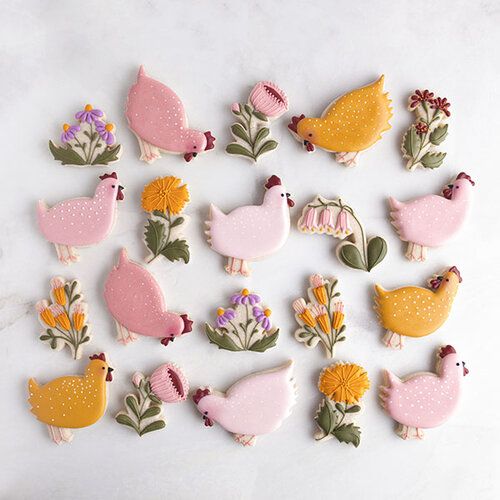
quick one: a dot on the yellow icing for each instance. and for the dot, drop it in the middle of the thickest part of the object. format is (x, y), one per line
(344, 383)
(65, 127)
(413, 311)
(88, 107)
(267, 312)
(73, 401)
(109, 127)
(352, 123)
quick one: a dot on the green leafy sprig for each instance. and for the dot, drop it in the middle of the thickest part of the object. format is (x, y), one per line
(334, 421)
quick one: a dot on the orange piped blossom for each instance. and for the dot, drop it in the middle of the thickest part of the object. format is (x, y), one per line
(164, 198)
(64, 317)
(343, 385)
(321, 319)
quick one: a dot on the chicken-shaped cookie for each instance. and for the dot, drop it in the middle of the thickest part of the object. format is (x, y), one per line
(251, 232)
(424, 400)
(156, 116)
(349, 125)
(255, 405)
(430, 221)
(81, 222)
(71, 402)
(412, 311)
(136, 302)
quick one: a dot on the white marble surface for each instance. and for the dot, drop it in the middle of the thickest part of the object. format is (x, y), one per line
(56, 56)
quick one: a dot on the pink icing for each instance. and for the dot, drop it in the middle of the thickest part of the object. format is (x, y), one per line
(135, 300)
(81, 221)
(255, 405)
(156, 115)
(424, 400)
(432, 220)
(252, 232)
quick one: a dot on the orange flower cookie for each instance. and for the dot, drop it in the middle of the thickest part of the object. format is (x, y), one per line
(71, 402)
(343, 385)
(349, 125)
(412, 311)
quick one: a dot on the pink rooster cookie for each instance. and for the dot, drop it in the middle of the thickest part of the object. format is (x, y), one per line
(136, 302)
(424, 400)
(251, 232)
(81, 222)
(430, 221)
(156, 116)
(255, 405)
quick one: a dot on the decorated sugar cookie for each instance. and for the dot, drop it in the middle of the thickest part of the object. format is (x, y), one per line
(337, 219)
(343, 385)
(64, 317)
(349, 125)
(71, 402)
(165, 199)
(90, 141)
(321, 318)
(412, 311)
(156, 116)
(430, 221)
(252, 135)
(143, 409)
(251, 232)
(244, 326)
(421, 140)
(81, 222)
(136, 302)
(255, 405)
(424, 400)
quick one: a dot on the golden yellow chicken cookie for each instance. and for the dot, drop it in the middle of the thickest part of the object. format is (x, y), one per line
(350, 124)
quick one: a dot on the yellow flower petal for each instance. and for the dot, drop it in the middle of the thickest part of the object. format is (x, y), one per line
(166, 195)
(344, 383)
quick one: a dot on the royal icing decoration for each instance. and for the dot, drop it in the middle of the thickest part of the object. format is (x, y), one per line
(143, 409)
(156, 116)
(244, 326)
(343, 385)
(71, 402)
(64, 317)
(81, 222)
(412, 311)
(251, 132)
(255, 405)
(349, 125)
(430, 221)
(337, 219)
(91, 141)
(252, 232)
(165, 199)
(424, 400)
(136, 302)
(429, 130)
(321, 318)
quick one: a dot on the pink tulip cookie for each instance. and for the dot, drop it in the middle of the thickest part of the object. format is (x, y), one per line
(337, 219)
(424, 400)
(255, 405)
(156, 116)
(136, 302)
(430, 221)
(143, 409)
(252, 232)
(251, 132)
(81, 222)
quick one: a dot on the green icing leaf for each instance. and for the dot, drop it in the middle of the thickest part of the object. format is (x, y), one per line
(153, 426)
(264, 343)
(325, 417)
(350, 256)
(432, 160)
(348, 433)
(377, 250)
(238, 149)
(261, 134)
(239, 131)
(353, 409)
(266, 147)
(177, 222)
(176, 250)
(152, 411)
(109, 155)
(340, 408)
(159, 213)
(248, 108)
(45, 337)
(154, 235)
(438, 135)
(260, 116)
(53, 343)
(154, 399)
(221, 340)
(124, 419)
(131, 402)
(66, 155)
(412, 142)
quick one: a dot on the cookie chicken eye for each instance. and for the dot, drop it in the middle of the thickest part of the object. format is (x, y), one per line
(310, 135)
(194, 147)
(458, 364)
(282, 195)
(113, 186)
